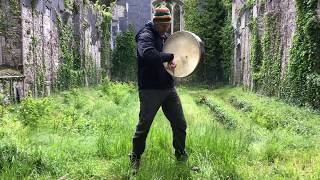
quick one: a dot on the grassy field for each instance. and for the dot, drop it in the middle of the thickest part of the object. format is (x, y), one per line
(86, 134)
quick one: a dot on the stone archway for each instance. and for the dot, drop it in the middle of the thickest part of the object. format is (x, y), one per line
(177, 10)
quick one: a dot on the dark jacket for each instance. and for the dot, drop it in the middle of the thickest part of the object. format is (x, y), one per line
(151, 72)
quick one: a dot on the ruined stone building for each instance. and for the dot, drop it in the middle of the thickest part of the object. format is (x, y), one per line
(284, 14)
(30, 43)
(137, 13)
(32, 47)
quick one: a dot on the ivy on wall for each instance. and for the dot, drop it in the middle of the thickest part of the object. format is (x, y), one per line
(14, 7)
(74, 69)
(69, 4)
(78, 69)
(2, 23)
(9, 29)
(106, 52)
(302, 80)
(270, 71)
(9, 19)
(39, 84)
(256, 55)
(69, 73)
(40, 81)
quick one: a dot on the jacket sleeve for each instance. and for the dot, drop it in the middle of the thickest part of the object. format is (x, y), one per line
(148, 52)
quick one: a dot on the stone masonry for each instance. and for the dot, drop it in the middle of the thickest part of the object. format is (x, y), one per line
(29, 43)
(240, 22)
(137, 13)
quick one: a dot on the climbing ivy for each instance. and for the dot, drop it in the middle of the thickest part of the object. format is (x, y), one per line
(69, 73)
(108, 3)
(271, 60)
(228, 5)
(2, 23)
(106, 35)
(77, 67)
(301, 85)
(34, 42)
(251, 3)
(104, 9)
(301, 82)
(69, 4)
(14, 7)
(90, 70)
(265, 55)
(256, 54)
(39, 86)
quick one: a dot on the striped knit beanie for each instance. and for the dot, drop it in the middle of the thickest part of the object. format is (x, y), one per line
(162, 15)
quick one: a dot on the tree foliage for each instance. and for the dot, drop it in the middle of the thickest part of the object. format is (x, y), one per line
(208, 20)
(124, 65)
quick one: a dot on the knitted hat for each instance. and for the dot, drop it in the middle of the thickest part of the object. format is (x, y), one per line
(162, 15)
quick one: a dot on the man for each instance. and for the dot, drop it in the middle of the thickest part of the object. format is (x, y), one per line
(156, 87)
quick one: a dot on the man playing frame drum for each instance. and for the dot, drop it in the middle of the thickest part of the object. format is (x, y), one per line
(156, 84)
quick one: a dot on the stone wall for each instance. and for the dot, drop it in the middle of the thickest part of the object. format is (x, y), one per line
(11, 62)
(138, 13)
(277, 48)
(242, 17)
(30, 42)
(133, 12)
(10, 34)
(129, 12)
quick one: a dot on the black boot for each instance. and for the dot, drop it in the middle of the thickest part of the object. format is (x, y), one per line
(181, 156)
(134, 162)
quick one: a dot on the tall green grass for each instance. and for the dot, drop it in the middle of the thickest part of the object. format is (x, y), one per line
(87, 133)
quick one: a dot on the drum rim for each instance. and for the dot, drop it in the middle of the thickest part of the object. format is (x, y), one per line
(200, 46)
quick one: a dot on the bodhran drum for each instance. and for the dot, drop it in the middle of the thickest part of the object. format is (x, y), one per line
(188, 51)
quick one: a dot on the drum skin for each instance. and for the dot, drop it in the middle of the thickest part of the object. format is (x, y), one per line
(188, 51)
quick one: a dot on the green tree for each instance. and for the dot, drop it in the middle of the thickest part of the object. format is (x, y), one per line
(207, 21)
(124, 67)
(227, 43)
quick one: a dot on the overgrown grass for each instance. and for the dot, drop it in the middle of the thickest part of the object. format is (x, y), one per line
(86, 134)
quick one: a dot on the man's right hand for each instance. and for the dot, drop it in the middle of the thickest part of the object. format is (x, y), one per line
(166, 57)
(172, 65)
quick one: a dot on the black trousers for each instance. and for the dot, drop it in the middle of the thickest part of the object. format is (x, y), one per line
(150, 102)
